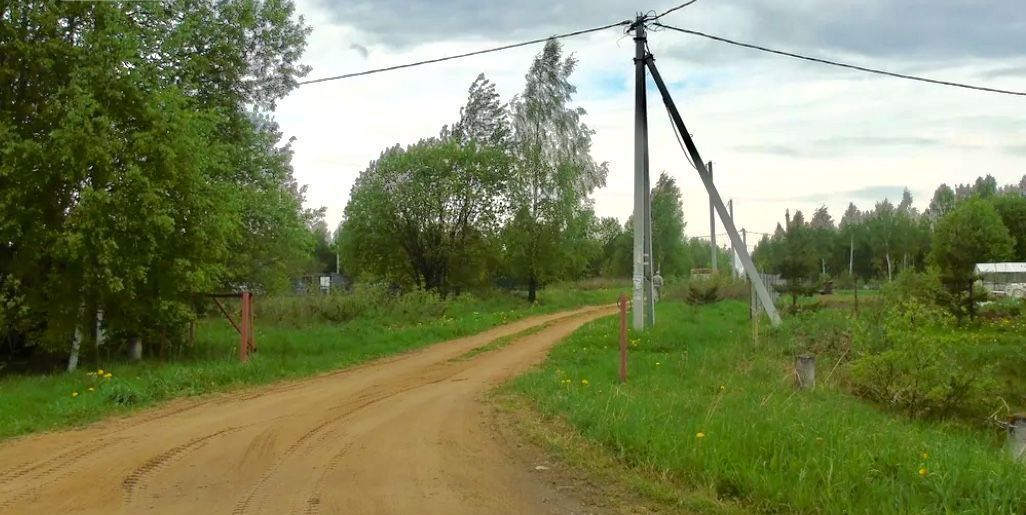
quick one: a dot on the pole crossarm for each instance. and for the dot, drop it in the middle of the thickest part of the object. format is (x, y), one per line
(714, 196)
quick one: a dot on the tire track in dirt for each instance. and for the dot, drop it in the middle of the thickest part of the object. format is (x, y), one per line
(311, 437)
(137, 481)
(52, 470)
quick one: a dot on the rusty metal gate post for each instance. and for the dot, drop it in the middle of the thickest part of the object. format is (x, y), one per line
(623, 302)
(245, 328)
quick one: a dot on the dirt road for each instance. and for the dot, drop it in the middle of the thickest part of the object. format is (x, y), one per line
(407, 434)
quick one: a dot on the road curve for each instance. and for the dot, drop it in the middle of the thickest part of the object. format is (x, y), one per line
(406, 434)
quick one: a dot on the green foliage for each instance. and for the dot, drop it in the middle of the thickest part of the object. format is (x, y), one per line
(553, 171)
(1012, 209)
(972, 233)
(918, 371)
(426, 215)
(671, 259)
(762, 445)
(160, 182)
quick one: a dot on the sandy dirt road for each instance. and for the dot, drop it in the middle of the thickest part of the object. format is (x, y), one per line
(408, 434)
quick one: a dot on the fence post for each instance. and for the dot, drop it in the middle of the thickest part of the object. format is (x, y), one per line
(252, 325)
(805, 371)
(244, 328)
(622, 302)
(1017, 437)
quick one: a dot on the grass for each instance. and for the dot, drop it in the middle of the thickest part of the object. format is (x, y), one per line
(707, 409)
(288, 348)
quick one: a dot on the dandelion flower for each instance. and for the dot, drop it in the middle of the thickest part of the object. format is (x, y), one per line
(99, 372)
(922, 472)
(700, 435)
(74, 394)
(925, 456)
(108, 375)
(91, 388)
(722, 387)
(584, 381)
(658, 363)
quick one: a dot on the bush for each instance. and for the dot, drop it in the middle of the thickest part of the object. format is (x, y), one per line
(1002, 309)
(707, 290)
(909, 362)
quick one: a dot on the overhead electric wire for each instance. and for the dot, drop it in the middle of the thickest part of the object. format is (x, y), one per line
(468, 54)
(670, 10)
(842, 65)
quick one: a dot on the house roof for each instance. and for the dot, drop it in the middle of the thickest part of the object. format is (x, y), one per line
(1013, 268)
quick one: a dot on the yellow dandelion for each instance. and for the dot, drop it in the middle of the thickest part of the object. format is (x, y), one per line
(658, 363)
(584, 381)
(91, 388)
(926, 456)
(700, 435)
(722, 387)
(108, 375)
(74, 394)
(99, 372)
(922, 472)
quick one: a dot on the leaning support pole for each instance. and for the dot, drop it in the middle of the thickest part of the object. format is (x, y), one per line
(641, 256)
(735, 239)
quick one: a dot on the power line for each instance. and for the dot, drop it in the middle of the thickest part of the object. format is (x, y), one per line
(843, 65)
(468, 54)
(670, 10)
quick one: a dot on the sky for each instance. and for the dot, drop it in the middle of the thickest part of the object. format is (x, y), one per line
(783, 134)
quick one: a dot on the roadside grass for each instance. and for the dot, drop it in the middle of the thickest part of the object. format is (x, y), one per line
(707, 409)
(286, 349)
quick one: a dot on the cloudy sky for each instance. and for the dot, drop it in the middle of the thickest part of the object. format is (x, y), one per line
(782, 133)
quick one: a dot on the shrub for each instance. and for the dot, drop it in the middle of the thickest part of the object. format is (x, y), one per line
(124, 395)
(1002, 309)
(707, 290)
(905, 365)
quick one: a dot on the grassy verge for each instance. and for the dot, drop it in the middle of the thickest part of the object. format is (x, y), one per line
(287, 349)
(708, 410)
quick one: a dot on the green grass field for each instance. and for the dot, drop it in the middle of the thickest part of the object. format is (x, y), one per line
(289, 347)
(708, 410)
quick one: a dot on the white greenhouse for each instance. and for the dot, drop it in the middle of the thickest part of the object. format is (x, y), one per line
(1005, 279)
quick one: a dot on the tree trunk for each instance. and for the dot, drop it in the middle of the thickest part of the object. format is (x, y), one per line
(76, 343)
(888, 256)
(532, 289)
(135, 348)
(851, 256)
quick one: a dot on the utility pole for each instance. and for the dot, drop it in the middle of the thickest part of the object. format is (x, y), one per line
(712, 225)
(730, 206)
(642, 234)
(706, 175)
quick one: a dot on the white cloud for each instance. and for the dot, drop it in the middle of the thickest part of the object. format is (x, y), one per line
(782, 133)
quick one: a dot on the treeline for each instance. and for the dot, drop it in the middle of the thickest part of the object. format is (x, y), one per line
(139, 167)
(962, 226)
(501, 198)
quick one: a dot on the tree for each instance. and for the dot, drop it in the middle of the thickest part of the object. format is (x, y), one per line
(670, 257)
(972, 233)
(823, 236)
(882, 227)
(484, 119)
(105, 106)
(1012, 209)
(419, 214)
(553, 171)
(942, 203)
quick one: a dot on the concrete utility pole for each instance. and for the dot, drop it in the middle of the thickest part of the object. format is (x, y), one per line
(714, 196)
(712, 225)
(730, 206)
(642, 233)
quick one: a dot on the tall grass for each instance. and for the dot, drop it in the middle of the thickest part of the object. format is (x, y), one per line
(296, 336)
(706, 407)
